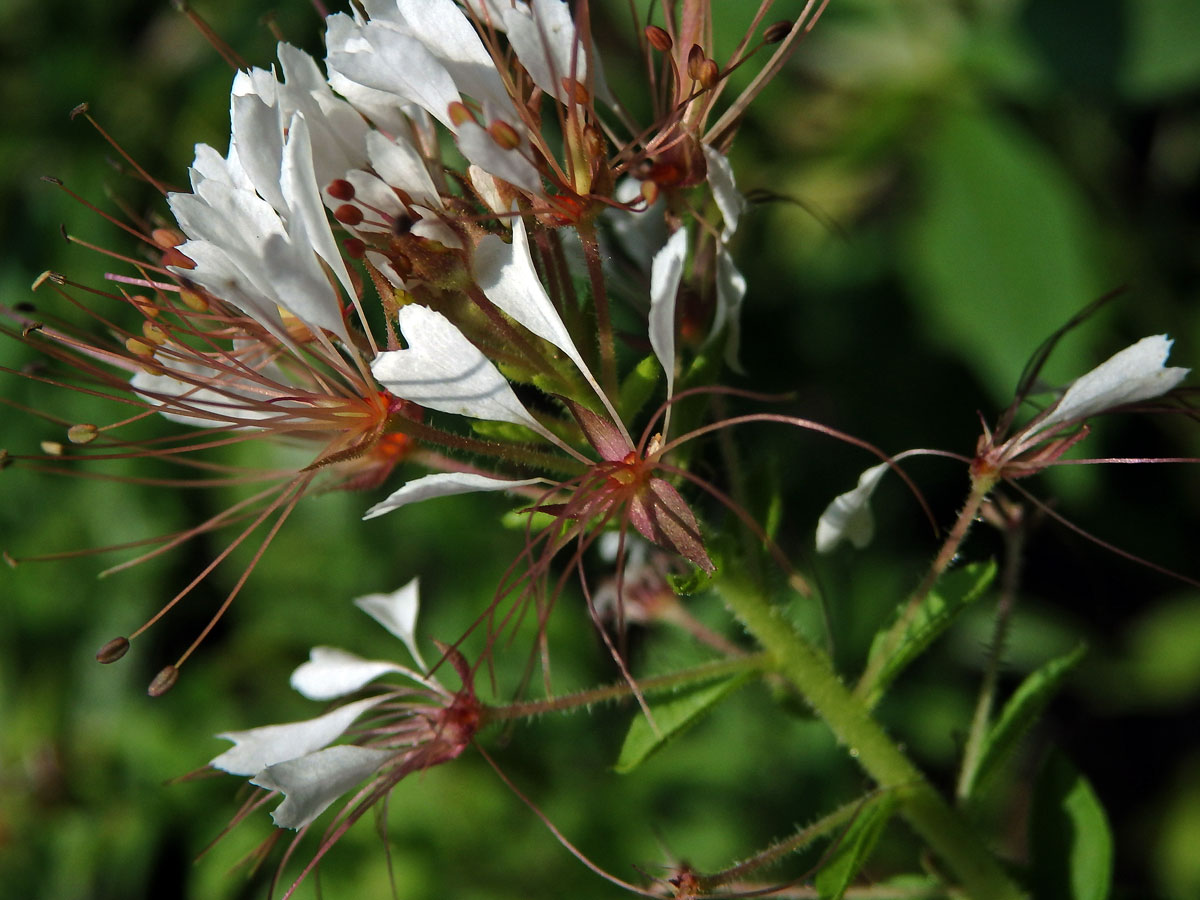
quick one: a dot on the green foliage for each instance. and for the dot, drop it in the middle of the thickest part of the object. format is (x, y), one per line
(894, 648)
(1071, 845)
(854, 847)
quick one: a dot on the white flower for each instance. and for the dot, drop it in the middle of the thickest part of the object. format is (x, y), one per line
(849, 517)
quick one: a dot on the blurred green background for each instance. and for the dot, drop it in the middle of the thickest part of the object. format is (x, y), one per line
(952, 181)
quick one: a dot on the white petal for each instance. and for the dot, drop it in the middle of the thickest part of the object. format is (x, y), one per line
(331, 673)
(488, 190)
(507, 165)
(258, 748)
(400, 165)
(443, 28)
(1136, 373)
(665, 274)
(731, 289)
(849, 517)
(443, 484)
(397, 612)
(544, 38)
(310, 783)
(442, 370)
(507, 277)
(724, 189)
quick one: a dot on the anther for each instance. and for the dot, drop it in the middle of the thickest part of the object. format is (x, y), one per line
(649, 192)
(31, 328)
(5, 460)
(82, 433)
(348, 214)
(50, 179)
(504, 135)
(173, 257)
(709, 75)
(193, 301)
(695, 60)
(145, 306)
(138, 347)
(113, 650)
(166, 238)
(79, 110)
(354, 248)
(575, 89)
(773, 34)
(460, 113)
(658, 38)
(155, 334)
(163, 681)
(340, 189)
(52, 448)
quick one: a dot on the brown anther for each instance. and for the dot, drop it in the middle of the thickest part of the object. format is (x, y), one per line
(79, 110)
(166, 238)
(138, 347)
(173, 257)
(50, 179)
(354, 248)
(31, 328)
(82, 433)
(348, 214)
(460, 113)
(504, 135)
(52, 448)
(709, 75)
(113, 650)
(658, 38)
(576, 90)
(775, 33)
(40, 280)
(155, 334)
(340, 189)
(62, 232)
(145, 306)
(694, 61)
(649, 192)
(163, 681)
(193, 301)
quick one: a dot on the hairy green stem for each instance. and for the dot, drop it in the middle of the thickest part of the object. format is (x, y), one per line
(945, 831)
(623, 689)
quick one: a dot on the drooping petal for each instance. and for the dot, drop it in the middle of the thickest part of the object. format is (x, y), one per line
(311, 783)
(331, 673)
(665, 274)
(730, 201)
(397, 612)
(731, 290)
(849, 517)
(1136, 373)
(543, 35)
(507, 164)
(258, 748)
(442, 370)
(443, 484)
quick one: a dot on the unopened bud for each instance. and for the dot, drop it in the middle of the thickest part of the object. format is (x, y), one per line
(658, 38)
(460, 113)
(163, 681)
(773, 34)
(504, 135)
(709, 75)
(694, 61)
(52, 448)
(348, 214)
(82, 433)
(340, 189)
(113, 650)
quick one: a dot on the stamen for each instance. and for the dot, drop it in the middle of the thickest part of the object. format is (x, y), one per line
(113, 650)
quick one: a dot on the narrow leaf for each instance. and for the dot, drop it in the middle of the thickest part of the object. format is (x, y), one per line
(953, 593)
(1020, 712)
(854, 848)
(672, 716)
(1071, 846)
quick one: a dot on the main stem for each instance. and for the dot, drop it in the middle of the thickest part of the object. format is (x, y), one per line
(946, 832)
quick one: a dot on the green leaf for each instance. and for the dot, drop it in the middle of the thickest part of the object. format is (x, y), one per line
(1071, 847)
(952, 594)
(1020, 712)
(638, 386)
(672, 716)
(854, 848)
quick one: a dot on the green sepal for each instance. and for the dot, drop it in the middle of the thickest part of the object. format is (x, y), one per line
(673, 716)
